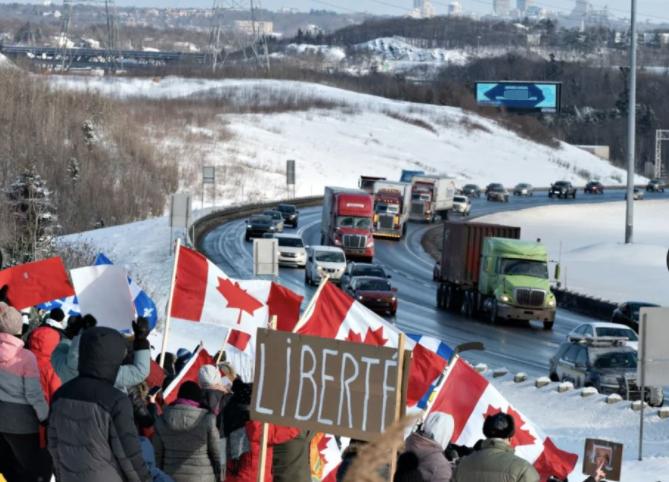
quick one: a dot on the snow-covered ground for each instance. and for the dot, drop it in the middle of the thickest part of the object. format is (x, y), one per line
(568, 419)
(594, 258)
(361, 134)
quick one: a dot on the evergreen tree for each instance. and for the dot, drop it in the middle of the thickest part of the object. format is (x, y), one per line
(33, 222)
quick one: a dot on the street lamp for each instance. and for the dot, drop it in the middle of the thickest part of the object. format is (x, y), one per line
(631, 128)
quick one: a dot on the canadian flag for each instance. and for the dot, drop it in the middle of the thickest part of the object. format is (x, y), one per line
(334, 314)
(469, 398)
(189, 372)
(202, 292)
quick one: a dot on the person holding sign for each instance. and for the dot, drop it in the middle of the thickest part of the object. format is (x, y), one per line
(429, 444)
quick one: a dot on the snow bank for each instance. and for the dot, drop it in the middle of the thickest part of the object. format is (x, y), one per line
(364, 135)
(594, 258)
(400, 49)
(568, 419)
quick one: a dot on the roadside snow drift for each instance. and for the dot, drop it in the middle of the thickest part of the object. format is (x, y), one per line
(595, 260)
(361, 134)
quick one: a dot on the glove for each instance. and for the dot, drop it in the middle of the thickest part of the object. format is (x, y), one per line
(141, 330)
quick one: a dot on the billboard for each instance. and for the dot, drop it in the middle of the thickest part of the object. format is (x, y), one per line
(526, 96)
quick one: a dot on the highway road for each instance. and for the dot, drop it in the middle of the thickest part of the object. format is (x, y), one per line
(517, 347)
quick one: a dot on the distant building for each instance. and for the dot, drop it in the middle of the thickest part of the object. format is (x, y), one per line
(523, 5)
(254, 28)
(502, 8)
(582, 8)
(454, 8)
(422, 9)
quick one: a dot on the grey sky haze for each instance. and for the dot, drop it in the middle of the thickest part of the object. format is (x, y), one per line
(656, 10)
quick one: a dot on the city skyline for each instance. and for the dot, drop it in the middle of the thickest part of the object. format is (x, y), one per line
(652, 10)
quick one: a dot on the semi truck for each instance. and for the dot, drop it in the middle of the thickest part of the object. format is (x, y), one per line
(391, 208)
(366, 183)
(487, 270)
(346, 222)
(431, 198)
(407, 175)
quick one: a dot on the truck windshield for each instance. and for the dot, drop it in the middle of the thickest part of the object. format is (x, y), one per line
(354, 222)
(524, 267)
(330, 257)
(420, 196)
(387, 208)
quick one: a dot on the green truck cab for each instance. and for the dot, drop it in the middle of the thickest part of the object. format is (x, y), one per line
(487, 270)
(514, 278)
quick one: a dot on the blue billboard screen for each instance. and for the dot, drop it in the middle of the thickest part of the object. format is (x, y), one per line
(530, 96)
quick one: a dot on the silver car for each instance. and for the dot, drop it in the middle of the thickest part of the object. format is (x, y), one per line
(291, 250)
(277, 219)
(462, 205)
(324, 260)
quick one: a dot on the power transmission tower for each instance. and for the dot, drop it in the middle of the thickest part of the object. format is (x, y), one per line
(111, 26)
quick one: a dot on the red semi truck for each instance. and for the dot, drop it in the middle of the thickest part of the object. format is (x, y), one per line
(347, 222)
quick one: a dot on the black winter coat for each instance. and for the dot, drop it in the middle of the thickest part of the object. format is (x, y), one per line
(92, 437)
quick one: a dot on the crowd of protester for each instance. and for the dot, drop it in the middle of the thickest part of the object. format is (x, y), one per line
(77, 403)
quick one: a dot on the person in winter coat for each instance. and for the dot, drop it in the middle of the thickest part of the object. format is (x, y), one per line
(215, 395)
(348, 457)
(243, 458)
(407, 469)
(291, 462)
(55, 320)
(495, 460)
(149, 455)
(92, 437)
(66, 355)
(22, 405)
(42, 342)
(429, 443)
(186, 439)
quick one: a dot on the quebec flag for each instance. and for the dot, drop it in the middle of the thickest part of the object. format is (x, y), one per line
(144, 306)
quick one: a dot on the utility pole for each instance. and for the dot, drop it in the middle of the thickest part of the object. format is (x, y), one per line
(631, 131)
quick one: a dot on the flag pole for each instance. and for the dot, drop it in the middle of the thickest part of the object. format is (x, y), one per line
(438, 388)
(169, 305)
(303, 319)
(264, 436)
(398, 398)
(225, 342)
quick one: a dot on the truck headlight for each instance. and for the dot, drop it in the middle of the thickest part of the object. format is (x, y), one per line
(370, 242)
(505, 298)
(337, 242)
(551, 303)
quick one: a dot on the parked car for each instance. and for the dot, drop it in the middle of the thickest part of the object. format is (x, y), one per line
(562, 189)
(354, 270)
(375, 293)
(602, 330)
(498, 193)
(291, 250)
(471, 190)
(258, 225)
(291, 216)
(607, 365)
(277, 219)
(523, 189)
(594, 187)
(655, 185)
(324, 260)
(462, 205)
(637, 194)
(627, 313)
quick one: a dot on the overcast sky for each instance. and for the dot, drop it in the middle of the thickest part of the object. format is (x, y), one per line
(651, 9)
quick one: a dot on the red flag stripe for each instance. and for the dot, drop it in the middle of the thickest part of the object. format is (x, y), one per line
(190, 285)
(330, 311)
(554, 461)
(188, 373)
(38, 282)
(239, 339)
(424, 369)
(285, 305)
(460, 394)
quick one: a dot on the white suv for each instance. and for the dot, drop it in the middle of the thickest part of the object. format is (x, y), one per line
(291, 250)
(324, 260)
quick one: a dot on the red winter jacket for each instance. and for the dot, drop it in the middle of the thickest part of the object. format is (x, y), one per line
(43, 342)
(247, 466)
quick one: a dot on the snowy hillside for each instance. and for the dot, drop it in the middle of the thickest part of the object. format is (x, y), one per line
(594, 259)
(358, 134)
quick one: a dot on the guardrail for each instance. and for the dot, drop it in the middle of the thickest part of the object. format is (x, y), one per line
(584, 305)
(201, 227)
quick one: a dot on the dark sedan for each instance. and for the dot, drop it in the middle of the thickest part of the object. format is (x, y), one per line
(291, 216)
(354, 270)
(627, 313)
(655, 185)
(375, 293)
(562, 189)
(471, 190)
(259, 225)
(594, 187)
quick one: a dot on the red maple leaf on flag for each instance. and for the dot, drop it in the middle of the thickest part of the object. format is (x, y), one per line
(372, 337)
(520, 437)
(238, 298)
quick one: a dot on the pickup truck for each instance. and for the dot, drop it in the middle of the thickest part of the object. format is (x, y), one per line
(562, 189)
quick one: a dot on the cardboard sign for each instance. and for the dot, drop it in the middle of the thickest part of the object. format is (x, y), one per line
(325, 385)
(103, 292)
(607, 454)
